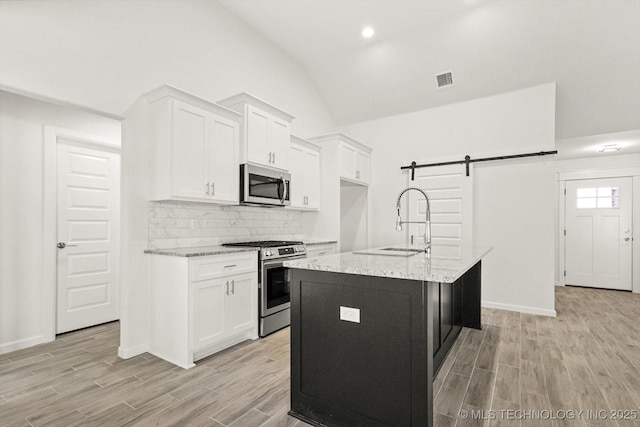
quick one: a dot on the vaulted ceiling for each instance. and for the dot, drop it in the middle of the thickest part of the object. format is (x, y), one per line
(590, 48)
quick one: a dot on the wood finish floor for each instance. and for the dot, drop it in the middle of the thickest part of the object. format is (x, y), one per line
(586, 358)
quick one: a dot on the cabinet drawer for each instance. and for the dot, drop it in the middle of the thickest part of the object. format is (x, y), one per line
(223, 265)
(320, 250)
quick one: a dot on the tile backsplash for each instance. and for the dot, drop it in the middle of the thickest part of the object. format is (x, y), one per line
(182, 224)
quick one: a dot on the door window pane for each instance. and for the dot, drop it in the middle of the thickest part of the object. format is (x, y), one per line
(586, 192)
(586, 203)
(604, 191)
(601, 197)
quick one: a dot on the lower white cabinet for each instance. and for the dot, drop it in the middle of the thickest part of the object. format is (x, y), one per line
(201, 305)
(320, 250)
(223, 307)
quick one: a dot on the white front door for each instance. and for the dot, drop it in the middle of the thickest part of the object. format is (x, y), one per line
(88, 198)
(598, 233)
(450, 194)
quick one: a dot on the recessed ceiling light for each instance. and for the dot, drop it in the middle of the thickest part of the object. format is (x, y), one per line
(367, 32)
(608, 148)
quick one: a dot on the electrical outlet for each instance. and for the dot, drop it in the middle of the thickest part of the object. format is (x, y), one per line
(350, 314)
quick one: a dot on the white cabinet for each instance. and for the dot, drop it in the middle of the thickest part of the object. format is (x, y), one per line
(201, 305)
(362, 165)
(266, 131)
(196, 145)
(223, 307)
(209, 314)
(353, 157)
(354, 162)
(304, 167)
(320, 250)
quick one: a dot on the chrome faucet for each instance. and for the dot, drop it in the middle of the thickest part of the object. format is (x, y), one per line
(427, 219)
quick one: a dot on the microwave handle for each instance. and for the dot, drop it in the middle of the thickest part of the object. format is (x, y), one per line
(286, 190)
(281, 182)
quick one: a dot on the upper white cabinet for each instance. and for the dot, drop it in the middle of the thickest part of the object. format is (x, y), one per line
(196, 147)
(353, 156)
(304, 159)
(265, 133)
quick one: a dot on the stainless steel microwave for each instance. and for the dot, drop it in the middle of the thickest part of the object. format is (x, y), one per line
(262, 186)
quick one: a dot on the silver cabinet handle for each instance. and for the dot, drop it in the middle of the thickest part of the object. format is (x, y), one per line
(270, 157)
(358, 174)
(233, 287)
(227, 284)
(322, 253)
(207, 188)
(213, 188)
(230, 266)
(274, 157)
(62, 245)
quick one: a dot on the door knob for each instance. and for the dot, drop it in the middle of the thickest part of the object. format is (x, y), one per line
(626, 239)
(62, 245)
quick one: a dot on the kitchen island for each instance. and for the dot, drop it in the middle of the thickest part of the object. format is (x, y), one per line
(370, 330)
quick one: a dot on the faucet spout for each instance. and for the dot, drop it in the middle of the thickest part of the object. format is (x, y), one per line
(427, 219)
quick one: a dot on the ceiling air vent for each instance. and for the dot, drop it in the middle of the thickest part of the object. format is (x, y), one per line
(444, 79)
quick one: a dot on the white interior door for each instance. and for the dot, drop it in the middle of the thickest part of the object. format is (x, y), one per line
(88, 197)
(598, 241)
(450, 194)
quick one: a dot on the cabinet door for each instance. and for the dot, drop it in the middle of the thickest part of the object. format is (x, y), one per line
(209, 316)
(362, 166)
(242, 302)
(279, 143)
(347, 161)
(311, 166)
(297, 170)
(224, 163)
(258, 125)
(189, 151)
(320, 250)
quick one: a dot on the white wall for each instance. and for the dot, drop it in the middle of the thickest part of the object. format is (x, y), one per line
(22, 283)
(353, 216)
(105, 54)
(513, 200)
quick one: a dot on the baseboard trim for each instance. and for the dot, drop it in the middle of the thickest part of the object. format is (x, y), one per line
(128, 353)
(519, 308)
(24, 343)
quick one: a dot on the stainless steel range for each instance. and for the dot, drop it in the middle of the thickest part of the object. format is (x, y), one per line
(274, 291)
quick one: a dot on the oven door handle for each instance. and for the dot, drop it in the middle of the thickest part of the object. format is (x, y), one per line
(278, 262)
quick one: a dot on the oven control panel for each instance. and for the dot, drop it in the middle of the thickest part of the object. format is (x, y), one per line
(283, 252)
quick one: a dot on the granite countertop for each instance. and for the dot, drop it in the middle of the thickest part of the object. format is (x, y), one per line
(198, 251)
(446, 263)
(313, 242)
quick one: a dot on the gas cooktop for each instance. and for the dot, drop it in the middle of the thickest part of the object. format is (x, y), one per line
(264, 244)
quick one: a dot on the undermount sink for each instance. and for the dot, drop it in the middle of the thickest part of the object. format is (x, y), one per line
(405, 252)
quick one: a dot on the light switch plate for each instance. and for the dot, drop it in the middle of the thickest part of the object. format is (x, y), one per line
(350, 314)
